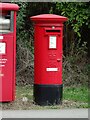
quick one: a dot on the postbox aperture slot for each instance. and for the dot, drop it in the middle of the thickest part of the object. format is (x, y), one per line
(55, 31)
(51, 31)
(6, 22)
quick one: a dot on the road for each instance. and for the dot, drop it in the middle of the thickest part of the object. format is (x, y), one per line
(62, 113)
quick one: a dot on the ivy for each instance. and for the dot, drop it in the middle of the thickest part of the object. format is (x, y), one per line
(21, 15)
(78, 14)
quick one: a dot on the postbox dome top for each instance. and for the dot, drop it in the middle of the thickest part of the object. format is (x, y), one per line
(9, 6)
(48, 18)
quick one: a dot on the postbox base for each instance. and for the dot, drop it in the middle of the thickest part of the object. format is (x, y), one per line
(48, 94)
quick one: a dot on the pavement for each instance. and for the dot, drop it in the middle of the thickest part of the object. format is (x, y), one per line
(61, 113)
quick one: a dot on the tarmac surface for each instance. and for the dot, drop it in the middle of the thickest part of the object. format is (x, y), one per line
(58, 113)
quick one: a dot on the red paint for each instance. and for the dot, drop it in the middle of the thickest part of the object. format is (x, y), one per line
(8, 6)
(45, 26)
(7, 91)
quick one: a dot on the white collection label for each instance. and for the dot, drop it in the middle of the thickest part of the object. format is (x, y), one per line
(2, 48)
(52, 42)
(51, 69)
(1, 37)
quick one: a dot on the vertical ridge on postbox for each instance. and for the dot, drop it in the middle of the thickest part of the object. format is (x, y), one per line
(7, 51)
(48, 58)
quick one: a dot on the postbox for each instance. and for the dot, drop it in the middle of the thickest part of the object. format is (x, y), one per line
(48, 35)
(7, 51)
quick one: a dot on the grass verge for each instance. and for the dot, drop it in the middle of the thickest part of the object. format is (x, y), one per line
(73, 97)
(78, 94)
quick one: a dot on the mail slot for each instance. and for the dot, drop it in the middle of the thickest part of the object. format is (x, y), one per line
(50, 31)
(7, 51)
(48, 37)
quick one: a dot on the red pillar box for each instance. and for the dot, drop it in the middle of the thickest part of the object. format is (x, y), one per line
(7, 51)
(48, 37)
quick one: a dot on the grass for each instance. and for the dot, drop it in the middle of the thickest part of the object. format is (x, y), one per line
(76, 93)
(79, 94)
(25, 91)
(73, 97)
